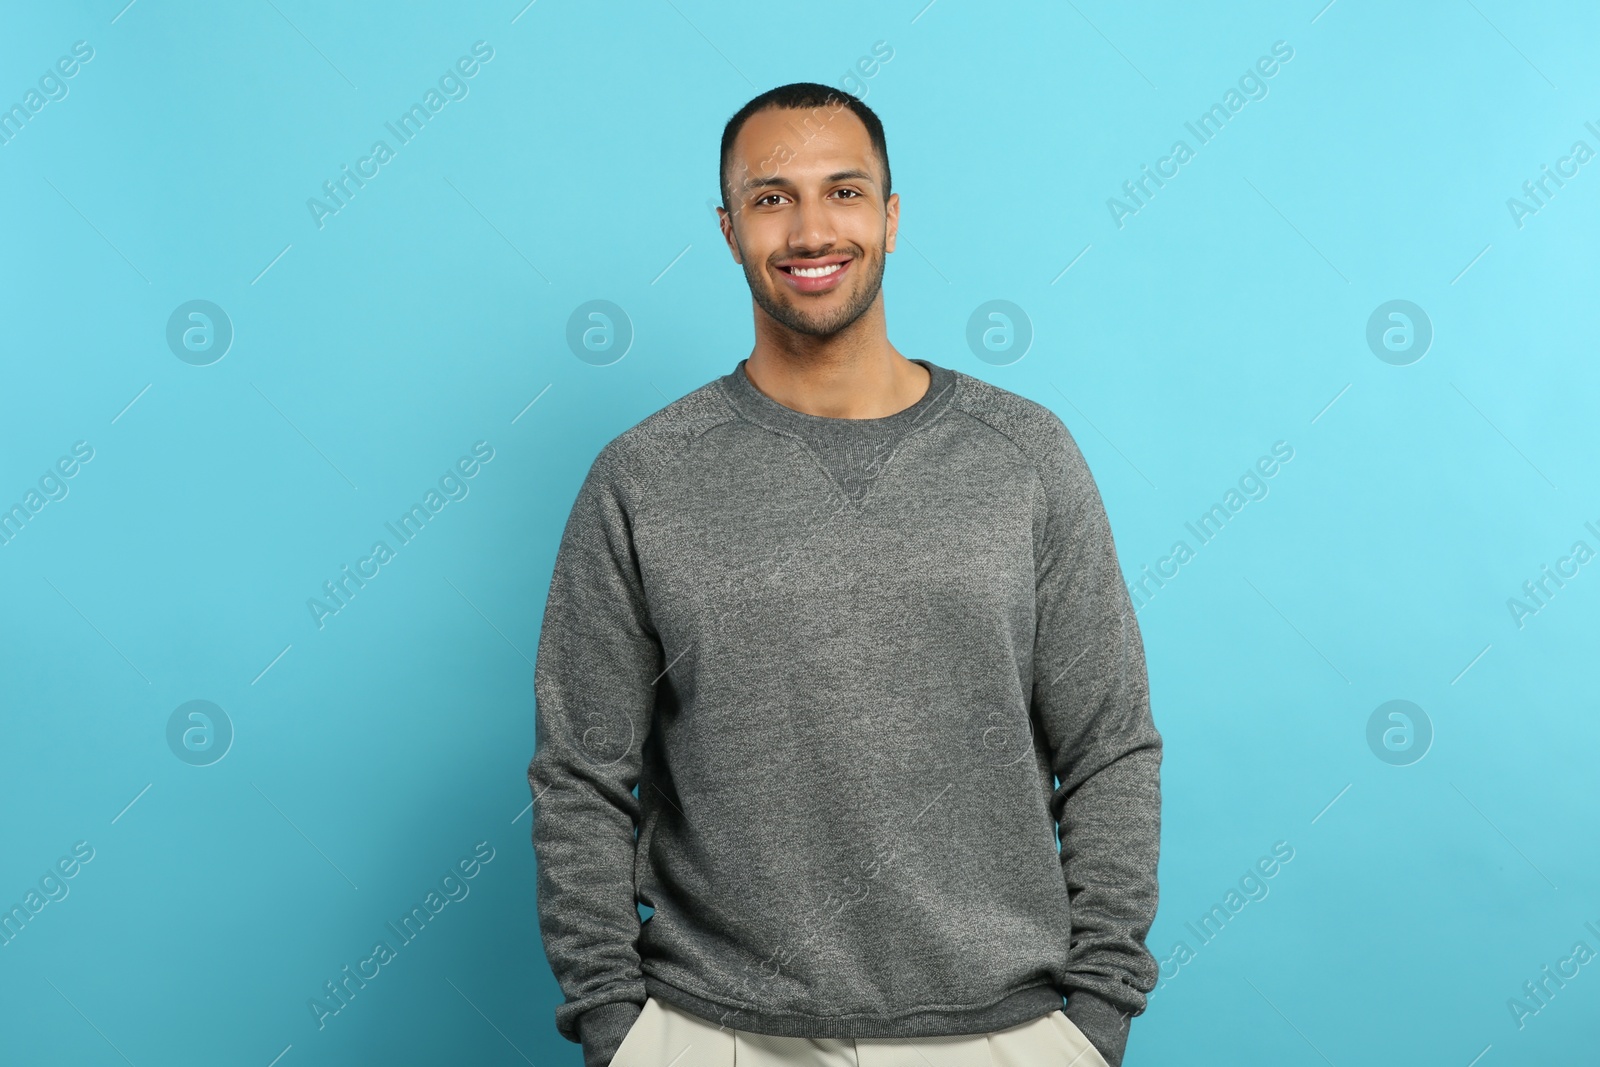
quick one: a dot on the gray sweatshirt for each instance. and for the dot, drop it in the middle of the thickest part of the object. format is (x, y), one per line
(861, 672)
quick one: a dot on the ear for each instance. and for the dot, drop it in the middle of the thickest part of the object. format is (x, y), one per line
(725, 221)
(891, 221)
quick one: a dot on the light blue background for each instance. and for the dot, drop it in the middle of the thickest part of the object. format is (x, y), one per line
(370, 354)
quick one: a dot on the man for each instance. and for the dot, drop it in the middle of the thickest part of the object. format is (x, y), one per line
(843, 618)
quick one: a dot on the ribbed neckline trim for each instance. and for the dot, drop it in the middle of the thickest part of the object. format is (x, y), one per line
(761, 408)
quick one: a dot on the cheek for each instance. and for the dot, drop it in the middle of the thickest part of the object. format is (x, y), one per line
(761, 247)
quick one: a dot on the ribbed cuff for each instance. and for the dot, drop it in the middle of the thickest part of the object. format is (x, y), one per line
(1101, 1022)
(603, 1029)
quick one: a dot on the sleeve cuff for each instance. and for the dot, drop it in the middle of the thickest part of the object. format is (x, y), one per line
(1101, 1022)
(602, 1030)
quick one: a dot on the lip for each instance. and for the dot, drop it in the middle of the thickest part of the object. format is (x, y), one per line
(815, 285)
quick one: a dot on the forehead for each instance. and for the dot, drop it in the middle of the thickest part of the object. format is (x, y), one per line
(798, 142)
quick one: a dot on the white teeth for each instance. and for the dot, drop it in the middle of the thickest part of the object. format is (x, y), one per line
(815, 272)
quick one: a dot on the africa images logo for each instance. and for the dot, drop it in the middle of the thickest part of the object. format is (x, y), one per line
(453, 888)
(452, 86)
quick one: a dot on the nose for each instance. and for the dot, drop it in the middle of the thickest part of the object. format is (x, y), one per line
(813, 227)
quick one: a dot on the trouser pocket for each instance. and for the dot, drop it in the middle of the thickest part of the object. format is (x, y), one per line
(1080, 1050)
(628, 1052)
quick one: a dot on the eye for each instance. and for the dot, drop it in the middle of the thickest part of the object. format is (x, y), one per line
(769, 196)
(852, 192)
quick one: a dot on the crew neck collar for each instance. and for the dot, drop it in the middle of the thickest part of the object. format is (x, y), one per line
(761, 408)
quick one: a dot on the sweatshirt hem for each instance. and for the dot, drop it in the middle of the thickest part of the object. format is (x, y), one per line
(1021, 1006)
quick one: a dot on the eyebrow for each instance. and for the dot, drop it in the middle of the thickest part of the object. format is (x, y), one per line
(752, 184)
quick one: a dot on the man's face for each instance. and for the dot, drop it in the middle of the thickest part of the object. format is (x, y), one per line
(806, 192)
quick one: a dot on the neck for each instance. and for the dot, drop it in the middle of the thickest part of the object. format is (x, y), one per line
(853, 374)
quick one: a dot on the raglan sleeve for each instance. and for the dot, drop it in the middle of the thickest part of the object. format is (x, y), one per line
(594, 684)
(1091, 697)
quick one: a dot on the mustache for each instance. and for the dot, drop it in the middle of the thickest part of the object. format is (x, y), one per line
(853, 253)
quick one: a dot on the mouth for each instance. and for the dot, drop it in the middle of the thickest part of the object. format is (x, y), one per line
(815, 275)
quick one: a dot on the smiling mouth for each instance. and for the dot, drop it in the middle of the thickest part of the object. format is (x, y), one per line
(815, 272)
(816, 278)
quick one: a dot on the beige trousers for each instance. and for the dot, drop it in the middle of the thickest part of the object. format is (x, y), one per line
(667, 1036)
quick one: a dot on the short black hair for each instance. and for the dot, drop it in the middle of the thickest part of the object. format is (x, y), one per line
(803, 95)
